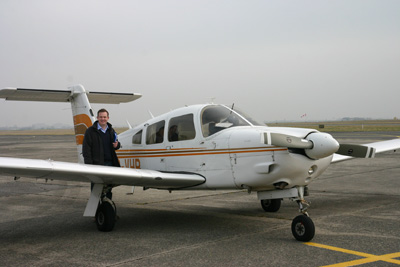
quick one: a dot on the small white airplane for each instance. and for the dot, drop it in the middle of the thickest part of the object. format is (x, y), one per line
(203, 147)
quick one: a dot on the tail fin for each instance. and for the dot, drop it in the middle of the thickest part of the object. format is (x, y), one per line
(78, 97)
(82, 114)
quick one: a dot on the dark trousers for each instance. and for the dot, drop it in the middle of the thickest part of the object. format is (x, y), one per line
(109, 193)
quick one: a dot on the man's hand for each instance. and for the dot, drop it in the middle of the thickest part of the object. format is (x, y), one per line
(115, 144)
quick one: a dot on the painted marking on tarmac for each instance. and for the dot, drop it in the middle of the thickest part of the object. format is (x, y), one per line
(368, 258)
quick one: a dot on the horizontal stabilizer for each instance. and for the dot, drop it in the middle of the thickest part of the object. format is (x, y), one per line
(23, 94)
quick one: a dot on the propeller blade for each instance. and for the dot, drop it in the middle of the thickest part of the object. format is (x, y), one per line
(356, 151)
(283, 140)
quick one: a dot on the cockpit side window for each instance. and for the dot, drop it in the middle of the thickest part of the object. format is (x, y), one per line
(216, 118)
(181, 128)
(137, 138)
(155, 133)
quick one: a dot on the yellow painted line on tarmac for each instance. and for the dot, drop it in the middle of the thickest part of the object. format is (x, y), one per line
(368, 258)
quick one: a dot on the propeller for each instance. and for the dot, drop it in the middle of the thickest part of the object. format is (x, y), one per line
(318, 145)
(357, 151)
(284, 140)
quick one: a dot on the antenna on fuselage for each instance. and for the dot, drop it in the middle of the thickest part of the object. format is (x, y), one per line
(233, 104)
(129, 125)
(151, 114)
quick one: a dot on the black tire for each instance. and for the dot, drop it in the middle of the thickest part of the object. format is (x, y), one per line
(303, 228)
(271, 205)
(105, 217)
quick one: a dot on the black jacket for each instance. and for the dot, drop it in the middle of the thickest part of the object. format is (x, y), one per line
(92, 147)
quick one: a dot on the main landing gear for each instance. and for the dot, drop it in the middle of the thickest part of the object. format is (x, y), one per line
(106, 215)
(271, 205)
(303, 228)
(101, 207)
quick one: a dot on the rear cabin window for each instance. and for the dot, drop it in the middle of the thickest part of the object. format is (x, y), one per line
(155, 133)
(137, 138)
(181, 128)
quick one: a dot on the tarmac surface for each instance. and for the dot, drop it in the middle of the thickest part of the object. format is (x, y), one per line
(355, 208)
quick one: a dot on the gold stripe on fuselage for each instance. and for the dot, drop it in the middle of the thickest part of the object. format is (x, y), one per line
(147, 153)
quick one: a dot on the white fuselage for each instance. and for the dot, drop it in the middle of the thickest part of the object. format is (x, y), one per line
(235, 156)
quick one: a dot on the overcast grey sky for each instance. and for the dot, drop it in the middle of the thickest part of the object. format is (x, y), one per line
(274, 59)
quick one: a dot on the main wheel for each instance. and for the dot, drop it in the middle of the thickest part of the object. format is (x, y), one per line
(271, 205)
(303, 228)
(105, 217)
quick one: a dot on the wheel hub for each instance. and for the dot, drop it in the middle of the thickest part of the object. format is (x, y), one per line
(300, 229)
(100, 218)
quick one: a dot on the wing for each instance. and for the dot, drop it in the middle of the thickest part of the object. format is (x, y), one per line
(57, 170)
(383, 146)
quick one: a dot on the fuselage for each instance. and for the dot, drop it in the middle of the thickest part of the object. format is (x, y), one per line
(223, 145)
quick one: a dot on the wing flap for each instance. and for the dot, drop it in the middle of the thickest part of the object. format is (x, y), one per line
(380, 147)
(47, 169)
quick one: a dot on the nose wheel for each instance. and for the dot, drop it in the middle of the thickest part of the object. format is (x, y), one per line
(303, 228)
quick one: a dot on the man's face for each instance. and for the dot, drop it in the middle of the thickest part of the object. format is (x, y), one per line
(102, 118)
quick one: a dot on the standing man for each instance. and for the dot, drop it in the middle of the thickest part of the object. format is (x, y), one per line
(100, 143)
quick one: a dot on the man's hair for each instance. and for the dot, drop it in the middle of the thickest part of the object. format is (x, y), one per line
(103, 110)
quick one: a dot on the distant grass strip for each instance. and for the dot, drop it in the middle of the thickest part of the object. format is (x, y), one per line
(346, 126)
(47, 132)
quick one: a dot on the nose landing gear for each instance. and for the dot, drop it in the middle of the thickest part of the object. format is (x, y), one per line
(303, 228)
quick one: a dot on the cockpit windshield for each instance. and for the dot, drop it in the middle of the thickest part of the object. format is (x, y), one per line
(247, 117)
(215, 118)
